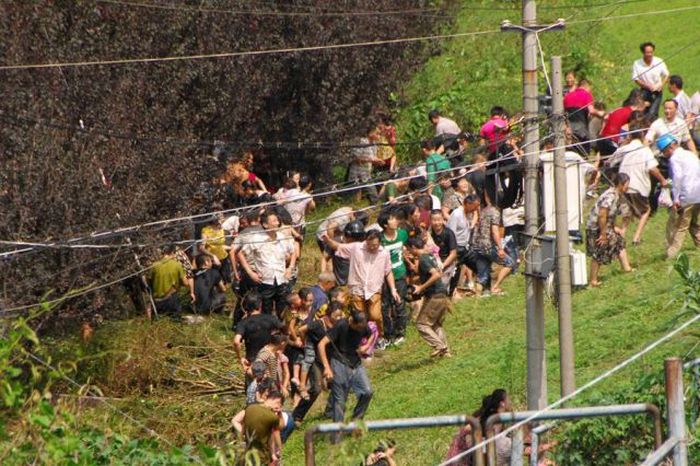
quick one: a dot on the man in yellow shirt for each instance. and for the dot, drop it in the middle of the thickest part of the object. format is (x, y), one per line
(213, 244)
(165, 278)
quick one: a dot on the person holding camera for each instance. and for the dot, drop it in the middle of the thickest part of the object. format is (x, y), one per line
(436, 302)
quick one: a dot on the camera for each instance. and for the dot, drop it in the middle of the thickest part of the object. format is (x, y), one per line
(411, 294)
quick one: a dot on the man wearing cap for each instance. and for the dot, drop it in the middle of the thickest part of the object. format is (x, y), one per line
(684, 167)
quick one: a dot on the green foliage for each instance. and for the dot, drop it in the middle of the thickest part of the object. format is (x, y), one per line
(37, 428)
(613, 440)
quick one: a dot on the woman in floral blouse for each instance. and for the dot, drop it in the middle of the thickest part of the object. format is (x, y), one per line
(604, 241)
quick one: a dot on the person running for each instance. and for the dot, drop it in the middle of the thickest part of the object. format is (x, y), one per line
(342, 365)
(255, 330)
(436, 302)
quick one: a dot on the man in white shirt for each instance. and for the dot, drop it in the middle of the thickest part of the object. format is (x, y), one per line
(638, 163)
(462, 222)
(672, 124)
(269, 259)
(684, 167)
(675, 85)
(651, 74)
(443, 125)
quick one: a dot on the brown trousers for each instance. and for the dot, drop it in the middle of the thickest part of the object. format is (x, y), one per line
(679, 222)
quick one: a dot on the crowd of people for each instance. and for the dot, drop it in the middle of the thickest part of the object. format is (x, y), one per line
(433, 233)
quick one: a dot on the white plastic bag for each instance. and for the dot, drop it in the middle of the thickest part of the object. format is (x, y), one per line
(665, 199)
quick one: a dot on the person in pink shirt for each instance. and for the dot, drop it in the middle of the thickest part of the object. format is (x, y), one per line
(578, 105)
(370, 265)
(494, 132)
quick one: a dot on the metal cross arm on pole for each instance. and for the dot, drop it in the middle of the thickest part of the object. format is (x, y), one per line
(506, 25)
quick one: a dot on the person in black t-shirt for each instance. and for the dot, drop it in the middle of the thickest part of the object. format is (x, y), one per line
(315, 332)
(444, 238)
(255, 330)
(344, 366)
(206, 283)
(436, 302)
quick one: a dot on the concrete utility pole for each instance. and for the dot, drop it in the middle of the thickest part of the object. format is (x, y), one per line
(534, 287)
(566, 331)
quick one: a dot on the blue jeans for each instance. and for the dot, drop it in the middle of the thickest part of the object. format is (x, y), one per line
(346, 378)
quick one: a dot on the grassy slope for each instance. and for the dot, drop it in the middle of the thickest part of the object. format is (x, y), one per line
(488, 336)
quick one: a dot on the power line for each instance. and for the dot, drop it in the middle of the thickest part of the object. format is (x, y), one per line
(314, 48)
(125, 61)
(304, 14)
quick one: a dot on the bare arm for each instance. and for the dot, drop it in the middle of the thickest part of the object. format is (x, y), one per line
(327, 372)
(434, 277)
(248, 269)
(275, 444)
(496, 237)
(326, 238)
(657, 174)
(450, 259)
(392, 286)
(237, 421)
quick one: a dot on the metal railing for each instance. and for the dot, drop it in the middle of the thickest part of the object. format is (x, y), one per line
(677, 443)
(390, 424)
(571, 413)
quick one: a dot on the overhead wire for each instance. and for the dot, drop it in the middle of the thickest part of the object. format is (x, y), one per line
(304, 14)
(403, 40)
(83, 292)
(313, 48)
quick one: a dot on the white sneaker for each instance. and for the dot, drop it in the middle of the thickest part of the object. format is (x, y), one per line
(399, 340)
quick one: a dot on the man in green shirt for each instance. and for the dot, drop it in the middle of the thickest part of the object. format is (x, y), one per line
(436, 302)
(394, 314)
(261, 426)
(395, 187)
(435, 164)
(165, 278)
